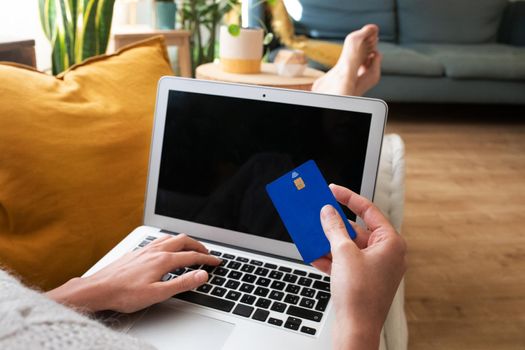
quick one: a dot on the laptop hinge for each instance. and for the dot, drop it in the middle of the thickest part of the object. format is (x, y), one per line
(253, 251)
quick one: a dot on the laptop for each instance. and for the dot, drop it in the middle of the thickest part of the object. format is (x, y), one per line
(214, 148)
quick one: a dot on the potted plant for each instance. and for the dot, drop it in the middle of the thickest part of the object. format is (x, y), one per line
(165, 11)
(76, 29)
(241, 47)
(202, 18)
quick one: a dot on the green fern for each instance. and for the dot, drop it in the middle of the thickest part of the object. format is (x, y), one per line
(77, 29)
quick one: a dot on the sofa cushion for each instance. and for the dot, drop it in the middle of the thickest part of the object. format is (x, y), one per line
(333, 19)
(398, 60)
(449, 21)
(73, 157)
(484, 61)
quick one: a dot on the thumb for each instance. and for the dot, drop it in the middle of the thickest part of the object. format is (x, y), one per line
(188, 281)
(334, 227)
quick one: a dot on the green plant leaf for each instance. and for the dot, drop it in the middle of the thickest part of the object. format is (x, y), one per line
(234, 29)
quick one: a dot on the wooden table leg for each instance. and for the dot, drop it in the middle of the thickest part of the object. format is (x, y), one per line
(185, 59)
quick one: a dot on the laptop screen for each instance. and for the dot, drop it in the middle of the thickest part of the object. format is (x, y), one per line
(219, 153)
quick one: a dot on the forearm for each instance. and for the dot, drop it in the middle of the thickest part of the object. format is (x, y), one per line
(349, 336)
(79, 293)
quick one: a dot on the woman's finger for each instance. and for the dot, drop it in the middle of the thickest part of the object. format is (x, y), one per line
(323, 264)
(181, 242)
(362, 235)
(361, 206)
(183, 283)
(188, 258)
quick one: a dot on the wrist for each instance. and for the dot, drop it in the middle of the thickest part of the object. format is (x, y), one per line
(79, 293)
(356, 336)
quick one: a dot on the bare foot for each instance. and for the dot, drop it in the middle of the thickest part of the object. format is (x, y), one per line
(368, 75)
(358, 49)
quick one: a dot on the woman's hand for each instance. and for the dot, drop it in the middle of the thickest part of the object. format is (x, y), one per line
(133, 282)
(365, 272)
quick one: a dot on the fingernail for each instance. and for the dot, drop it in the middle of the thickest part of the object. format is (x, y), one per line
(327, 212)
(201, 276)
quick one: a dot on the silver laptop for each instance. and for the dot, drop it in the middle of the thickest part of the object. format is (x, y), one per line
(214, 148)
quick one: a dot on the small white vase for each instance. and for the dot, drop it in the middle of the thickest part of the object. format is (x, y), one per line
(242, 53)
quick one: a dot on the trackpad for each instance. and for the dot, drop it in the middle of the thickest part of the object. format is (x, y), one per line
(169, 328)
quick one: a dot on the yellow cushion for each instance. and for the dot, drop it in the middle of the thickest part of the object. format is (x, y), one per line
(73, 160)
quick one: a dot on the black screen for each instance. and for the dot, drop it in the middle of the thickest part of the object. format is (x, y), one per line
(219, 153)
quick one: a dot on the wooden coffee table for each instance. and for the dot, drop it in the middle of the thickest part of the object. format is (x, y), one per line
(267, 77)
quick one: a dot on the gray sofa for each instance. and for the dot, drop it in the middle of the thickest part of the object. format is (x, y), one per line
(459, 51)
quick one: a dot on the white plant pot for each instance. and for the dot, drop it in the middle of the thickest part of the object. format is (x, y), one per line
(242, 53)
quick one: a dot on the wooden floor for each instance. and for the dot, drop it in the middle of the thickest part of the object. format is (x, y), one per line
(465, 225)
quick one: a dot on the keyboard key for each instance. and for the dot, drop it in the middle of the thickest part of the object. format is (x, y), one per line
(292, 288)
(234, 265)
(321, 305)
(326, 278)
(247, 288)
(215, 253)
(278, 285)
(247, 268)
(290, 278)
(260, 291)
(243, 310)
(233, 295)
(304, 281)
(308, 292)
(206, 300)
(167, 277)
(270, 266)
(279, 307)
(236, 275)
(179, 271)
(299, 272)
(228, 256)
(308, 330)
(223, 262)
(218, 291)
(322, 295)
(315, 276)
(221, 271)
(265, 282)
(307, 302)
(218, 281)
(208, 268)
(275, 321)
(322, 286)
(241, 259)
(205, 288)
(293, 323)
(249, 278)
(248, 299)
(260, 315)
(256, 262)
(261, 271)
(291, 299)
(285, 269)
(276, 295)
(264, 303)
(232, 284)
(195, 267)
(304, 313)
(277, 275)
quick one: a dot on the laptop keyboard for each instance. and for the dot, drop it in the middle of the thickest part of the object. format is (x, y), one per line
(264, 292)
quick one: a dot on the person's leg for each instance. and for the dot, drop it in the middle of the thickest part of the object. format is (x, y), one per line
(358, 68)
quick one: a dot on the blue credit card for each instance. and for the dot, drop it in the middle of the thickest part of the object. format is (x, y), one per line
(298, 197)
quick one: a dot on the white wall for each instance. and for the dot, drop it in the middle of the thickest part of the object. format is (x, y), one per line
(19, 19)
